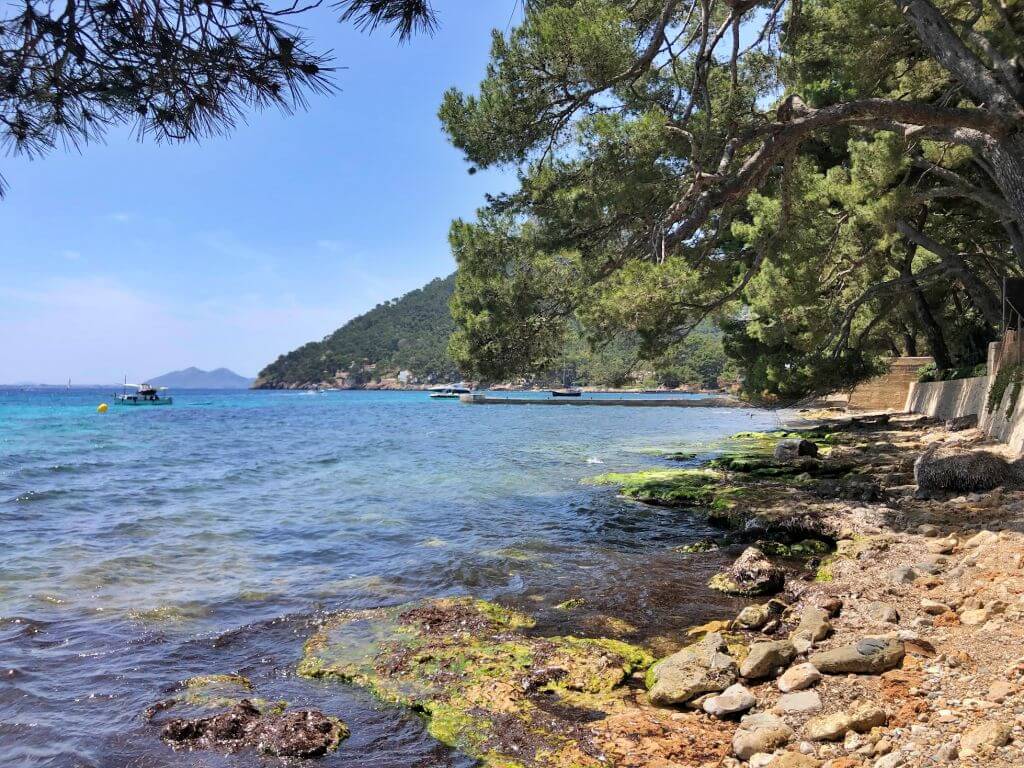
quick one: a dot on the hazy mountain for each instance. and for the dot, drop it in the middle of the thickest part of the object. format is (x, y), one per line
(194, 378)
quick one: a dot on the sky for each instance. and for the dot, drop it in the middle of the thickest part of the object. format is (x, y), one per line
(133, 259)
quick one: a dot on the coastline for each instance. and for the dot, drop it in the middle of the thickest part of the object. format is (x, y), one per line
(898, 646)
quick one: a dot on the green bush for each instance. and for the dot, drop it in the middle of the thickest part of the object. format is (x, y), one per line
(1011, 376)
(929, 372)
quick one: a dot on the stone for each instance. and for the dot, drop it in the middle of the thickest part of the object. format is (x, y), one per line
(733, 700)
(834, 727)
(933, 607)
(989, 734)
(932, 564)
(762, 732)
(760, 760)
(814, 625)
(975, 617)
(980, 539)
(794, 760)
(752, 574)
(764, 658)
(947, 753)
(295, 733)
(799, 703)
(753, 617)
(960, 423)
(928, 530)
(869, 655)
(798, 677)
(902, 575)
(892, 760)
(941, 546)
(882, 612)
(703, 667)
(793, 448)
(1000, 691)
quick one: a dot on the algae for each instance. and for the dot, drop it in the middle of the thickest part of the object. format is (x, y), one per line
(503, 696)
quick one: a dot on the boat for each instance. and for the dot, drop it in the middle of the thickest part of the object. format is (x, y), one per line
(145, 394)
(568, 392)
(449, 391)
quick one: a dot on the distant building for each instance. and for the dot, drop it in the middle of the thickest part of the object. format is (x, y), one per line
(405, 376)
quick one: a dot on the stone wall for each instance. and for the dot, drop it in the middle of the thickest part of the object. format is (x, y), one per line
(948, 399)
(888, 392)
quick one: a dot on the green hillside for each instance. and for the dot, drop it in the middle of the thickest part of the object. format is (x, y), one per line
(409, 333)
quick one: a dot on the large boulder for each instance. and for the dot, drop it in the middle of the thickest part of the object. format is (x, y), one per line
(763, 659)
(870, 656)
(704, 667)
(296, 733)
(793, 448)
(752, 574)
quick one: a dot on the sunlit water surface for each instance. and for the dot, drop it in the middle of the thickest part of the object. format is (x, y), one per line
(147, 545)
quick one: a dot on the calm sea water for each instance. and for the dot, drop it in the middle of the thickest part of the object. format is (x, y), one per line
(147, 545)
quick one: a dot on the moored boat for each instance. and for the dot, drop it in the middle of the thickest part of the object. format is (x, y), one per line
(144, 394)
(449, 391)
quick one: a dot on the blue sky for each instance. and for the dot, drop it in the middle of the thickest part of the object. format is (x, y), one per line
(134, 258)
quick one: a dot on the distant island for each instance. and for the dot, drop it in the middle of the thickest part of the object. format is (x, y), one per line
(195, 378)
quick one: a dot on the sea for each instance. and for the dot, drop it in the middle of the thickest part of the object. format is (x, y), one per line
(146, 545)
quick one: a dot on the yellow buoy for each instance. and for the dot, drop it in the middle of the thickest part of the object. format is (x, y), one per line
(101, 408)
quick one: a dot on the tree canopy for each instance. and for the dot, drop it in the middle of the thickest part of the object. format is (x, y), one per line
(175, 71)
(831, 180)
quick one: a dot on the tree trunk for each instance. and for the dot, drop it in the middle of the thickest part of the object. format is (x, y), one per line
(930, 327)
(1007, 159)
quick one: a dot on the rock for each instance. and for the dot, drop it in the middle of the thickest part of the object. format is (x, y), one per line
(990, 734)
(947, 753)
(973, 618)
(1000, 691)
(798, 677)
(760, 760)
(867, 656)
(832, 606)
(762, 732)
(753, 617)
(814, 625)
(902, 575)
(882, 612)
(960, 423)
(928, 530)
(980, 539)
(932, 564)
(892, 760)
(764, 658)
(799, 703)
(933, 607)
(833, 727)
(703, 667)
(733, 700)
(941, 546)
(793, 448)
(298, 733)
(794, 760)
(751, 574)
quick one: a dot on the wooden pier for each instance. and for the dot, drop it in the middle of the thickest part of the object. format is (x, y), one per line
(628, 402)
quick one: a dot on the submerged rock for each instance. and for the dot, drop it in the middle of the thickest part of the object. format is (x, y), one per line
(298, 733)
(490, 688)
(751, 574)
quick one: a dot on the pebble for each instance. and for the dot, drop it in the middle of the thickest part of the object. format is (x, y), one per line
(799, 703)
(733, 700)
(798, 677)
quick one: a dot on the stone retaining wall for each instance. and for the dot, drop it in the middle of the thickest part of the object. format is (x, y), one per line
(948, 399)
(888, 392)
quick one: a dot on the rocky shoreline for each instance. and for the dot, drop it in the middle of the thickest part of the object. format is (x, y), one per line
(887, 632)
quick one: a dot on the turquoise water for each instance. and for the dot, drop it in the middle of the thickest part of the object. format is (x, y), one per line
(147, 545)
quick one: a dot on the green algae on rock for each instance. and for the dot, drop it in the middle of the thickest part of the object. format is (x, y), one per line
(487, 688)
(667, 487)
(220, 691)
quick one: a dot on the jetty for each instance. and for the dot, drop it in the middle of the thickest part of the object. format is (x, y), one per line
(628, 402)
